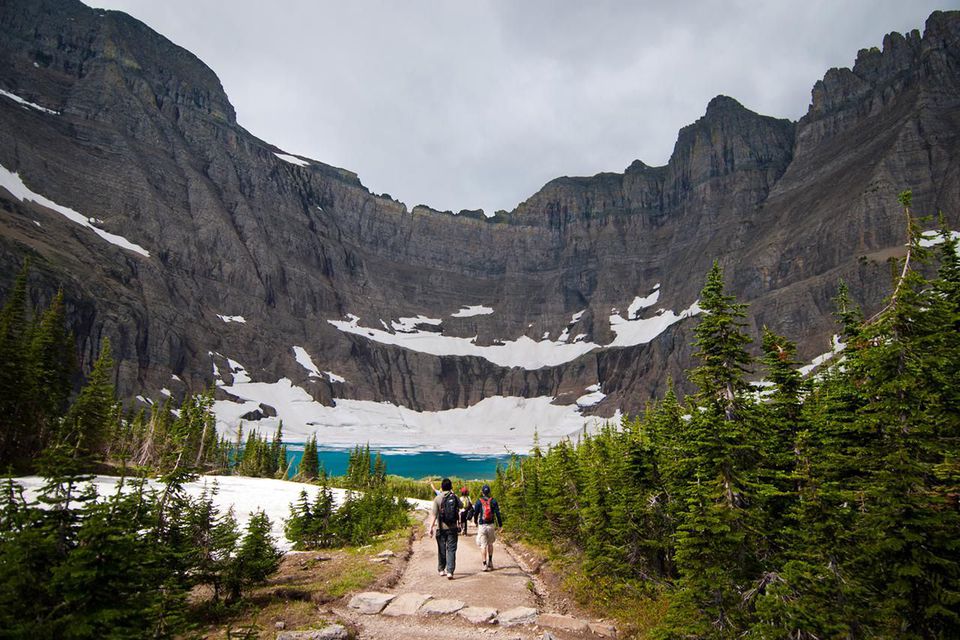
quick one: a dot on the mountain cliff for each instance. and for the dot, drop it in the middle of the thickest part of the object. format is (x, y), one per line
(208, 255)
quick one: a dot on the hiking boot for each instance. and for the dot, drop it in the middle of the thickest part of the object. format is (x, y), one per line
(449, 576)
(442, 572)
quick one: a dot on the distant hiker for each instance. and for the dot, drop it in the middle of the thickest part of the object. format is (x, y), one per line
(486, 513)
(445, 516)
(466, 514)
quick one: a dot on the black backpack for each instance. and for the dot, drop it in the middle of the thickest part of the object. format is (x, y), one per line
(450, 511)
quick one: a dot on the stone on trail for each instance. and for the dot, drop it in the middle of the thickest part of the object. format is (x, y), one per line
(386, 554)
(330, 632)
(406, 604)
(370, 602)
(518, 615)
(562, 623)
(603, 629)
(478, 615)
(441, 607)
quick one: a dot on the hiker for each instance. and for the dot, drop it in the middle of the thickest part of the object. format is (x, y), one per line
(466, 514)
(444, 515)
(486, 513)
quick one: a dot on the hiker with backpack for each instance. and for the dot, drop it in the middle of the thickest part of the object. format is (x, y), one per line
(487, 516)
(466, 514)
(445, 516)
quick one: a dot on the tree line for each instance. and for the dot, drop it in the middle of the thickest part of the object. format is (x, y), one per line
(73, 565)
(818, 507)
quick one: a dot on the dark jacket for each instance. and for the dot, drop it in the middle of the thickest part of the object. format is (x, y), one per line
(435, 511)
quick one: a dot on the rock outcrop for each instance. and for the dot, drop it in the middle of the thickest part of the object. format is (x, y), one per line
(131, 130)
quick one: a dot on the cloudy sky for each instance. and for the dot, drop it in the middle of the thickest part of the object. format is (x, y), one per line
(476, 104)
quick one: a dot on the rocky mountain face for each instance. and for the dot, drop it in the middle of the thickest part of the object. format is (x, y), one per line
(103, 116)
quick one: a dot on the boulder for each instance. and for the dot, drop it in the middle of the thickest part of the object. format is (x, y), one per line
(441, 607)
(517, 615)
(371, 602)
(478, 615)
(562, 623)
(406, 604)
(603, 629)
(330, 632)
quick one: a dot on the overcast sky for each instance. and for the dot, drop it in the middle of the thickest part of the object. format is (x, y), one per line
(476, 104)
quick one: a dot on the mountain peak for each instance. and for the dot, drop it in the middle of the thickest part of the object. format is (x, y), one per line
(723, 104)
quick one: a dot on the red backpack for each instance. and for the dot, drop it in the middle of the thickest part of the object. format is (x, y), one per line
(487, 510)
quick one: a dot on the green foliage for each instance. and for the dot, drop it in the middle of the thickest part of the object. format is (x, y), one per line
(72, 566)
(261, 458)
(363, 515)
(818, 508)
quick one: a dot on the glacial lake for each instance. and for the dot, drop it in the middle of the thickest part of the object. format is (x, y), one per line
(434, 464)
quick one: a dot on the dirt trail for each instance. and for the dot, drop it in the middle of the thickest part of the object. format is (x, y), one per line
(505, 588)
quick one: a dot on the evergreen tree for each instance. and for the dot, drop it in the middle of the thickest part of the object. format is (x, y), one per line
(310, 463)
(51, 362)
(256, 558)
(90, 419)
(15, 389)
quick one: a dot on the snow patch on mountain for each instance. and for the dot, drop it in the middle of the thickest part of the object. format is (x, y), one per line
(524, 351)
(304, 360)
(409, 325)
(642, 330)
(837, 347)
(300, 162)
(935, 237)
(11, 182)
(640, 303)
(27, 103)
(229, 319)
(594, 395)
(475, 310)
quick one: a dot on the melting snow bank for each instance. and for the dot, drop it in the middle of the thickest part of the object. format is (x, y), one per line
(469, 312)
(12, 183)
(27, 103)
(523, 352)
(936, 237)
(300, 162)
(819, 360)
(643, 330)
(245, 495)
(492, 426)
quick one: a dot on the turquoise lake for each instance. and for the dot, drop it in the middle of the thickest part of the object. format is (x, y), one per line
(436, 464)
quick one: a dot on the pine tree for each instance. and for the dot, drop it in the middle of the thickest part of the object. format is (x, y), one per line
(90, 419)
(51, 361)
(309, 464)
(15, 388)
(256, 558)
(718, 541)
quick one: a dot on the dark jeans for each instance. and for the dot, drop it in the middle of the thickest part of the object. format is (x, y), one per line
(447, 550)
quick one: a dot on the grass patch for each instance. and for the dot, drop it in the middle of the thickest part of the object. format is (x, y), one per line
(297, 594)
(636, 607)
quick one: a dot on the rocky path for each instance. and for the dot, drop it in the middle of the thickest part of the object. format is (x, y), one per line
(504, 603)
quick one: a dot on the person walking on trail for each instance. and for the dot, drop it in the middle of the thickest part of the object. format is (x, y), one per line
(466, 514)
(486, 513)
(445, 517)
